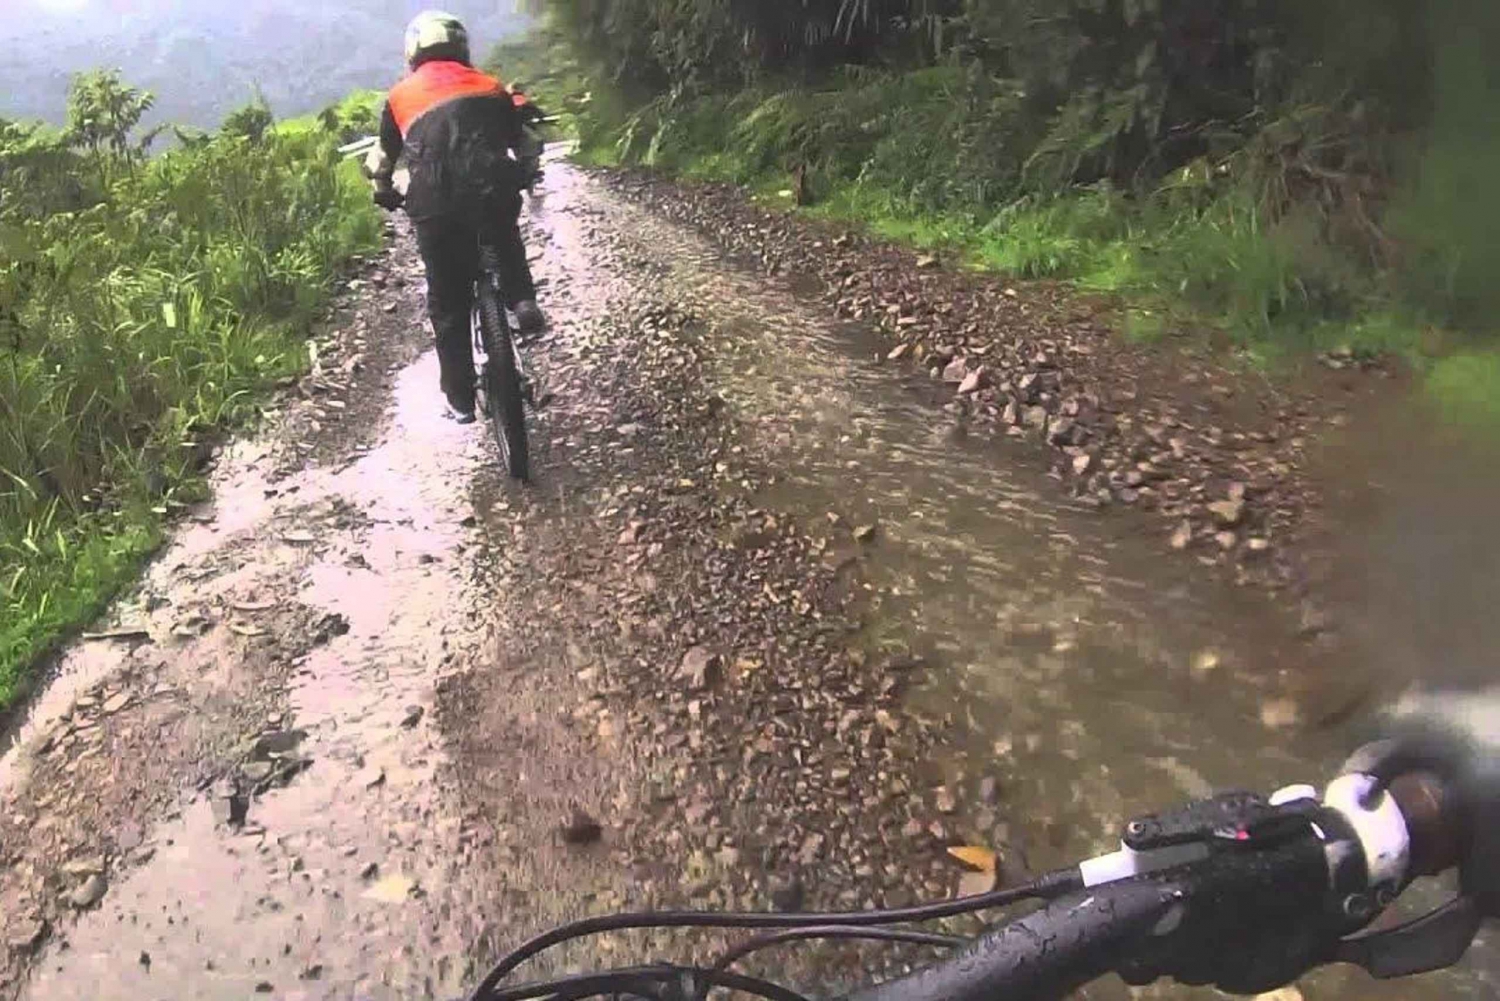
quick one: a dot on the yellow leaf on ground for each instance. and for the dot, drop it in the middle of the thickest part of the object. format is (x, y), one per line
(391, 889)
(978, 858)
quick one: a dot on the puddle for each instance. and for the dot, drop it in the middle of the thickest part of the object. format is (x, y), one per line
(337, 877)
(1095, 674)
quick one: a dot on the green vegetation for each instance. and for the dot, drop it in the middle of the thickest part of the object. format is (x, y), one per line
(143, 304)
(543, 64)
(1299, 175)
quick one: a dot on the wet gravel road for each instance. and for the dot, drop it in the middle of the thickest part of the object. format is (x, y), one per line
(771, 617)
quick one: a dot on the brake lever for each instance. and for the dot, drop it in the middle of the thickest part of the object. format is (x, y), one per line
(1434, 941)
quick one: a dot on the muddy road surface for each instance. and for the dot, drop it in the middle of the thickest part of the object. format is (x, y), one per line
(771, 628)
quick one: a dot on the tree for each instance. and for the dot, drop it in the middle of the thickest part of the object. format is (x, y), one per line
(252, 121)
(103, 112)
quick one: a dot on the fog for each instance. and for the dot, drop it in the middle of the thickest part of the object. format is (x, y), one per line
(203, 58)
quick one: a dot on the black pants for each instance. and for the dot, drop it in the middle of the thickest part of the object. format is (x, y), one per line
(450, 248)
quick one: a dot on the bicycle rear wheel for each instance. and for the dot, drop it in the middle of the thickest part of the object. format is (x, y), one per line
(505, 404)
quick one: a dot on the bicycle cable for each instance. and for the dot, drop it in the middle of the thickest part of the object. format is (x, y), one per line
(1045, 887)
(694, 981)
(845, 932)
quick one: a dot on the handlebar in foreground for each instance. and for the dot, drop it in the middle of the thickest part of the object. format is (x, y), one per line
(1244, 892)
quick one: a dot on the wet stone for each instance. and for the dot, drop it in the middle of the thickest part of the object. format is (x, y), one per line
(699, 668)
(258, 771)
(581, 829)
(91, 866)
(28, 936)
(278, 743)
(788, 894)
(1227, 513)
(229, 805)
(89, 893)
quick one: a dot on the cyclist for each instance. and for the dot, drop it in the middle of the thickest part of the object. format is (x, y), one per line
(456, 126)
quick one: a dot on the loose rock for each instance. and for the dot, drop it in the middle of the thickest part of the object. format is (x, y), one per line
(700, 668)
(28, 936)
(90, 893)
(1227, 513)
(581, 829)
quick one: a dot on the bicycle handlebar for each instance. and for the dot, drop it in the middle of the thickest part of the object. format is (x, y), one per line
(1244, 892)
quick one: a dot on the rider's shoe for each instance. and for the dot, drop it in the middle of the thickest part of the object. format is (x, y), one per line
(529, 318)
(462, 410)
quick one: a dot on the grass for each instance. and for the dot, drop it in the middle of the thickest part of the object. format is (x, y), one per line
(1243, 245)
(142, 319)
(1466, 386)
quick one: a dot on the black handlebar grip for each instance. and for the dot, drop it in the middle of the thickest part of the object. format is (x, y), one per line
(1046, 954)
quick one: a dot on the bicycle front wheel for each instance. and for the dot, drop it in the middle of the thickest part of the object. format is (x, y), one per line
(506, 405)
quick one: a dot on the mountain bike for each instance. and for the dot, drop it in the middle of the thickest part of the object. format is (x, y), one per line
(502, 375)
(1240, 891)
(503, 390)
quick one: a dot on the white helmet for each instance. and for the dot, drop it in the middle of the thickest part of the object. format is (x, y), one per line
(434, 34)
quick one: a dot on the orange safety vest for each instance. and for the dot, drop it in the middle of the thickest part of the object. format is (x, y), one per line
(435, 83)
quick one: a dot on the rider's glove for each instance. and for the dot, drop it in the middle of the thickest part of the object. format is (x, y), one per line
(1457, 737)
(389, 199)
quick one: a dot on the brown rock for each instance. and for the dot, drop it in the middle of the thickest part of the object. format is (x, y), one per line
(581, 829)
(699, 668)
(1064, 431)
(1228, 513)
(28, 936)
(90, 893)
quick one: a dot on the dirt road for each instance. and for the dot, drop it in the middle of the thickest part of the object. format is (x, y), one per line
(770, 617)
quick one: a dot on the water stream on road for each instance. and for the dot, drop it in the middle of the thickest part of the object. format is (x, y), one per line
(1095, 674)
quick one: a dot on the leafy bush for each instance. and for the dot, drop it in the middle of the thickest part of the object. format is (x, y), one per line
(142, 305)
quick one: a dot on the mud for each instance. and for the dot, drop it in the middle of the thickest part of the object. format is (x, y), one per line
(770, 615)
